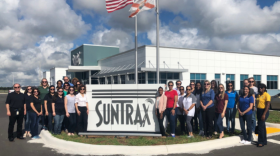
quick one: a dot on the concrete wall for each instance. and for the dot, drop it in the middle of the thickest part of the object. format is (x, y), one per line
(57, 74)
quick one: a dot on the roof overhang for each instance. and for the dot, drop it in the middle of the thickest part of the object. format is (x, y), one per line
(82, 68)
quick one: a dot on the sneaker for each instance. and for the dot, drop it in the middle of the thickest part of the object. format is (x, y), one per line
(255, 138)
(35, 137)
(190, 136)
(242, 142)
(247, 143)
(38, 137)
(24, 135)
(215, 133)
(173, 135)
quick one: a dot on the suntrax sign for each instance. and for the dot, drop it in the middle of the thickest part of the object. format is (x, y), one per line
(122, 108)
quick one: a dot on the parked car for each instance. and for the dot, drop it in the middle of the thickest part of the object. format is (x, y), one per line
(22, 89)
(275, 102)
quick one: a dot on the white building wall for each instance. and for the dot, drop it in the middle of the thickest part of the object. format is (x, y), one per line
(46, 74)
(57, 74)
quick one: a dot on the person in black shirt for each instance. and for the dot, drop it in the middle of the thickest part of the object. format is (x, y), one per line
(16, 109)
(35, 113)
(48, 107)
(27, 95)
(58, 110)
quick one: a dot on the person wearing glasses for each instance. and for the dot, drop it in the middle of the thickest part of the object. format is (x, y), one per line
(27, 94)
(44, 89)
(189, 102)
(214, 87)
(252, 85)
(208, 109)
(66, 79)
(59, 84)
(66, 88)
(48, 107)
(172, 98)
(244, 107)
(36, 112)
(263, 105)
(78, 84)
(180, 110)
(16, 109)
(231, 107)
(198, 110)
(69, 104)
(220, 108)
(81, 105)
(58, 111)
(160, 105)
(192, 84)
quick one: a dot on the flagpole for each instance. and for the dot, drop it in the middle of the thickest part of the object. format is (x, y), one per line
(136, 64)
(157, 53)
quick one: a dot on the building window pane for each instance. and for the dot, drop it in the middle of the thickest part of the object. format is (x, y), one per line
(109, 80)
(176, 76)
(257, 79)
(115, 79)
(102, 80)
(230, 78)
(192, 76)
(131, 77)
(272, 82)
(169, 76)
(141, 78)
(122, 79)
(217, 76)
(197, 77)
(242, 78)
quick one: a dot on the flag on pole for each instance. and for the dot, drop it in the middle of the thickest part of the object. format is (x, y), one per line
(141, 5)
(113, 5)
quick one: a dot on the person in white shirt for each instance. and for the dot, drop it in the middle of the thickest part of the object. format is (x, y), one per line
(189, 109)
(181, 109)
(81, 105)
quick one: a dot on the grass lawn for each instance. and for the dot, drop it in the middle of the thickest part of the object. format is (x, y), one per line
(274, 117)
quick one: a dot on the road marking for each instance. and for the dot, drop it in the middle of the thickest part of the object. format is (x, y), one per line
(274, 141)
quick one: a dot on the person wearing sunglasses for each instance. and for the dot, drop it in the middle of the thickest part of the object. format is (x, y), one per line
(189, 102)
(48, 107)
(78, 84)
(214, 87)
(180, 110)
(59, 84)
(197, 119)
(27, 94)
(263, 105)
(69, 104)
(66, 79)
(160, 105)
(44, 89)
(252, 85)
(208, 109)
(192, 84)
(36, 112)
(66, 88)
(58, 111)
(244, 107)
(231, 107)
(171, 107)
(81, 105)
(220, 108)
(16, 109)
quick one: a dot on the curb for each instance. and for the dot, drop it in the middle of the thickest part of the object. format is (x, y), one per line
(274, 125)
(69, 147)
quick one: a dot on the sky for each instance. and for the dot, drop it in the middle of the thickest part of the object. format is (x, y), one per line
(36, 35)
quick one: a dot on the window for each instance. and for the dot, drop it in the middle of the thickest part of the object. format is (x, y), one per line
(197, 77)
(131, 77)
(217, 76)
(152, 78)
(272, 82)
(257, 79)
(141, 78)
(122, 79)
(109, 80)
(164, 76)
(230, 78)
(102, 80)
(242, 77)
(115, 79)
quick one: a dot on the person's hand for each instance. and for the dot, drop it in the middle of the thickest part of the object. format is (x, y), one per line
(161, 115)
(204, 108)
(38, 114)
(156, 113)
(79, 113)
(263, 117)
(67, 114)
(186, 111)
(47, 113)
(53, 113)
(25, 112)
(253, 109)
(173, 112)
(9, 113)
(241, 113)
(87, 112)
(223, 115)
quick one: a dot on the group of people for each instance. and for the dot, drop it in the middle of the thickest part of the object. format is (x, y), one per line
(205, 106)
(64, 107)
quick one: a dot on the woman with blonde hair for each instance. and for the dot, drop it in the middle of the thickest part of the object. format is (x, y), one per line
(220, 108)
(208, 109)
(44, 90)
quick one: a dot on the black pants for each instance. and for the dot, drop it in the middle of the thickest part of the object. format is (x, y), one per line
(82, 119)
(71, 122)
(50, 124)
(13, 119)
(182, 123)
(160, 121)
(262, 138)
(208, 117)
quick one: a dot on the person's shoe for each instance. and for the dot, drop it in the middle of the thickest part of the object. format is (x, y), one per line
(35, 137)
(38, 137)
(11, 139)
(255, 138)
(29, 135)
(24, 135)
(215, 133)
(190, 136)
(72, 134)
(247, 143)
(201, 133)
(21, 138)
(242, 141)
(66, 130)
(173, 135)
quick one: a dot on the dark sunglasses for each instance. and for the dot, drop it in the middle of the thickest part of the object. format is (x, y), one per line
(251, 81)
(170, 85)
(181, 89)
(16, 87)
(35, 91)
(206, 84)
(44, 81)
(192, 84)
(66, 85)
(221, 87)
(29, 89)
(60, 91)
(188, 89)
(83, 89)
(51, 89)
(78, 84)
(230, 85)
(178, 83)
(71, 90)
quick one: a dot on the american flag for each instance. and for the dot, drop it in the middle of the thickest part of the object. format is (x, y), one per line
(113, 5)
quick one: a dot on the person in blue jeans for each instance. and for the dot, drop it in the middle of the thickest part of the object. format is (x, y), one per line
(198, 112)
(246, 101)
(231, 107)
(252, 84)
(27, 95)
(37, 111)
(48, 107)
(58, 110)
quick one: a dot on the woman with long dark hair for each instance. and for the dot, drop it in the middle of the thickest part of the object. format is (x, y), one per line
(35, 113)
(66, 88)
(160, 106)
(48, 107)
(180, 111)
(231, 107)
(81, 105)
(27, 95)
(197, 119)
(263, 104)
(214, 87)
(220, 108)
(69, 104)
(58, 110)
(59, 84)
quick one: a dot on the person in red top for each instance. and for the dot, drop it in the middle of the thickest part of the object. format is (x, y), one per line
(172, 97)
(220, 108)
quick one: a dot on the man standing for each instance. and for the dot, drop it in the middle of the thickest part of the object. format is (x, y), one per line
(66, 79)
(16, 109)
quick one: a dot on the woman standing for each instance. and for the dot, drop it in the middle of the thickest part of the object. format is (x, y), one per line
(214, 87)
(180, 110)
(192, 84)
(44, 89)
(220, 108)
(231, 107)
(78, 84)
(27, 95)
(58, 110)
(208, 109)
(59, 84)
(263, 104)
(74, 81)
(172, 98)
(35, 113)
(197, 119)
(81, 105)
(69, 101)
(246, 101)
(160, 110)
(252, 85)
(66, 88)
(189, 109)
(48, 107)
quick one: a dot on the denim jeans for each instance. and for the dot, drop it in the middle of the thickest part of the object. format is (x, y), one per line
(262, 138)
(58, 119)
(34, 126)
(171, 118)
(230, 119)
(200, 120)
(27, 122)
(219, 122)
(254, 122)
(50, 124)
(247, 119)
